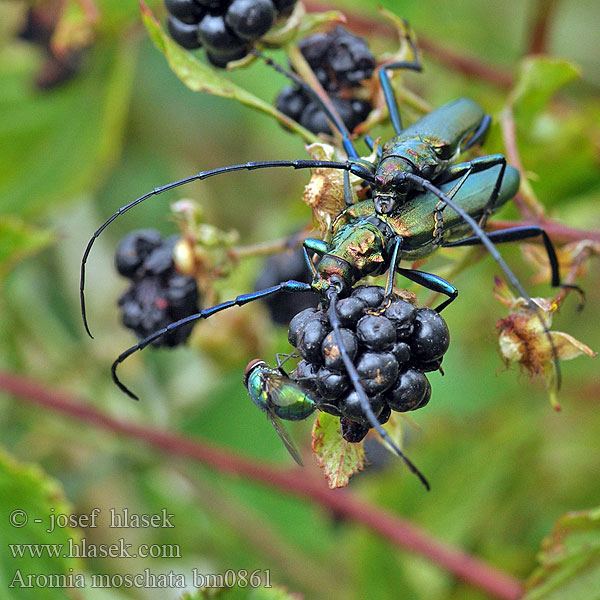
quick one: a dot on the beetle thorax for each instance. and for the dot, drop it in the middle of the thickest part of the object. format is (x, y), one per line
(356, 251)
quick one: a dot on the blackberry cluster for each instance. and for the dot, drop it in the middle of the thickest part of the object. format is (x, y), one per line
(282, 267)
(392, 345)
(226, 28)
(158, 294)
(341, 61)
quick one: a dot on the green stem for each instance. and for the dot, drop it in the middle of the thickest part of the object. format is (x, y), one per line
(303, 69)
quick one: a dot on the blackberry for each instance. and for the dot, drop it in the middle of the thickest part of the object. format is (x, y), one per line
(226, 28)
(340, 61)
(297, 324)
(158, 295)
(292, 102)
(306, 374)
(284, 7)
(282, 267)
(352, 408)
(314, 49)
(311, 339)
(350, 310)
(344, 56)
(372, 295)
(221, 59)
(392, 345)
(402, 314)
(410, 391)
(331, 384)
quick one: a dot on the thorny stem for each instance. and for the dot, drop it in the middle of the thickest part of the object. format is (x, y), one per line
(459, 61)
(544, 12)
(396, 530)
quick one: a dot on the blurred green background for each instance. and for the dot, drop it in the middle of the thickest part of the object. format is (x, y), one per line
(503, 465)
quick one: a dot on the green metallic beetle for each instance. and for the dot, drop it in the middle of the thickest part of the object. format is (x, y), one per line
(367, 243)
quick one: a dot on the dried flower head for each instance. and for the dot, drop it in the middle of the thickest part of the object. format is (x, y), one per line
(524, 337)
(324, 193)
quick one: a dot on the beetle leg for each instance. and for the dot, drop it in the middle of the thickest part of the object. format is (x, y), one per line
(517, 234)
(396, 254)
(434, 283)
(386, 84)
(479, 134)
(475, 166)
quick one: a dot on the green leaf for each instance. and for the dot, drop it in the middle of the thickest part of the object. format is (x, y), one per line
(298, 25)
(199, 77)
(540, 77)
(338, 458)
(60, 143)
(569, 560)
(28, 490)
(18, 240)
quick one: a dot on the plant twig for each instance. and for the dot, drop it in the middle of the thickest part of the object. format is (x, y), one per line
(398, 531)
(272, 247)
(526, 201)
(543, 17)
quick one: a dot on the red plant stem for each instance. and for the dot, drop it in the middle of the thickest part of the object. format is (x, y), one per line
(544, 12)
(459, 61)
(398, 531)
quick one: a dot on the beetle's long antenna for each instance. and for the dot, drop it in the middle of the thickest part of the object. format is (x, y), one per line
(287, 286)
(420, 181)
(334, 319)
(360, 169)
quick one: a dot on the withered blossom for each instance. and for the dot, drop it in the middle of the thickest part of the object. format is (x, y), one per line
(523, 339)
